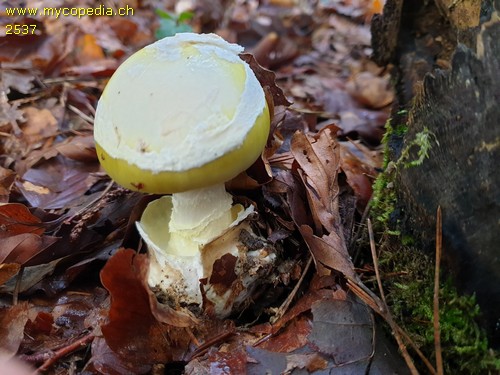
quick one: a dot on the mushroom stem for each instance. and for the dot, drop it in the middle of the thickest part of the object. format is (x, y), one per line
(198, 216)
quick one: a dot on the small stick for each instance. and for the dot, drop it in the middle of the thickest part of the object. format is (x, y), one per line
(437, 329)
(284, 306)
(375, 260)
(57, 355)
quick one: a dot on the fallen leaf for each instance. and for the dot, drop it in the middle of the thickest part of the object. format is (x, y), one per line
(329, 252)
(343, 330)
(10, 114)
(39, 124)
(15, 218)
(57, 182)
(133, 331)
(371, 90)
(79, 148)
(290, 338)
(12, 322)
(7, 271)
(310, 362)
(7, 178)
(20, 81)
(318, 158)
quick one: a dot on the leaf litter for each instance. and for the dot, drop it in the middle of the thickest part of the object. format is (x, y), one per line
(69, 253)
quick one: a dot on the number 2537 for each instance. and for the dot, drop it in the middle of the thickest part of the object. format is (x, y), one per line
(19, 29)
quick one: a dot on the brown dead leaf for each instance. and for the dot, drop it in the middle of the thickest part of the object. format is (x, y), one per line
(7, 177)
(9, 113)
(7, 271)
(318, 158)
(310, 362)
(22, 248)
(57, 182)
(88, 50)
(329, 252)
(267, 80)
(18, 80)
(39, 124)
(79, 148)
(290, 338)
(15, 218)
(106, 361)
(360, 164)
(371, 90)
(18, 47)
(12, 322)
(229, 361)
(133, 332)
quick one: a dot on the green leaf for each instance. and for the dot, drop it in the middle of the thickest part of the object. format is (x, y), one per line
(185, 16)
(164, 15)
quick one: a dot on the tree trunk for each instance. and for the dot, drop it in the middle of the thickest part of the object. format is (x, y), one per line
(452, 93)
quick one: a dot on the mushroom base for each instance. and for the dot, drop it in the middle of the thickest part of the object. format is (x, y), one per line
(220, 277)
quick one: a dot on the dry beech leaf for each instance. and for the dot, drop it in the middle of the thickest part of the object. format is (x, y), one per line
(88, 50)
(267, 80)
(79, 148)
(23, 247)
(371, 90)
(310, 362)
(329, 252)
(40, 124)
(10, 114)
(318, 158)
(57, 183)
(12, 322)
(7, 178)
(7, 271)
(133, 332)
(18, 80)
(15, 218)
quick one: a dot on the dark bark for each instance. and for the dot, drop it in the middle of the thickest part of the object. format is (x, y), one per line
(460, 106)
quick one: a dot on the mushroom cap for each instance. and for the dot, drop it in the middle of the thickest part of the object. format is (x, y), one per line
(182, 113)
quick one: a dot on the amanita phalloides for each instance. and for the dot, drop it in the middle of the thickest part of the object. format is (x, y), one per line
(182, 116)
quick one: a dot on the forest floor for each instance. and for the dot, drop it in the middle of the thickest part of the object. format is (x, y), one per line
(72, 284)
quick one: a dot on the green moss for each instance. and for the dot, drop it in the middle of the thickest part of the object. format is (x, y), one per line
(410, 297)
(384, 195)
(410, 293)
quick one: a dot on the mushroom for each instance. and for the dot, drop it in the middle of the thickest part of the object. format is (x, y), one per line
(182, 116)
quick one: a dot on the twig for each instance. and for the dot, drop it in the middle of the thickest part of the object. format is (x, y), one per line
(437, 330)
(57, 355)
(203, 348)
(284, 306)
(375, 260)
(367, 296)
